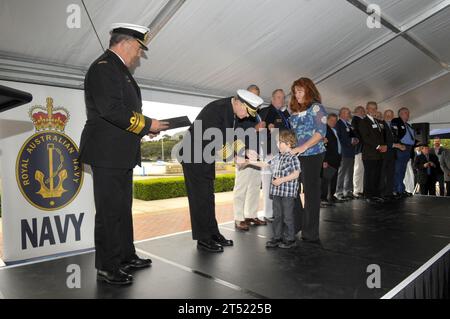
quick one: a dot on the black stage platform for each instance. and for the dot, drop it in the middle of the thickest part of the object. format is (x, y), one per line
(399, 237)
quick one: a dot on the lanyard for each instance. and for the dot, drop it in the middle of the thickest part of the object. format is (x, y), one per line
(286, 122)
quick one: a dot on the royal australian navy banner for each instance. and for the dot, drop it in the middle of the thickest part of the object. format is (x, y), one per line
(47, 196)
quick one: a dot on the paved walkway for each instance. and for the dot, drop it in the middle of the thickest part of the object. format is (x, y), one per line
(163, 217)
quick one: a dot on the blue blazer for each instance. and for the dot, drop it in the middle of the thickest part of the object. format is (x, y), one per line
(345, 137)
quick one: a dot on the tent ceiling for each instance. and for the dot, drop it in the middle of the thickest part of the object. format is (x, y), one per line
(386, 72)
(215, 46)
(404, 11)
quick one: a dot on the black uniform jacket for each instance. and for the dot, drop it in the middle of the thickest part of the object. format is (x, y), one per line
(115, 124)
(218, 114)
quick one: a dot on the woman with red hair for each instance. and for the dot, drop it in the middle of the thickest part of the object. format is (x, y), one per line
(309, 121)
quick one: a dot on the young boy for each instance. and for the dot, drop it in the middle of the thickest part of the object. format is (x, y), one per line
(285, 169)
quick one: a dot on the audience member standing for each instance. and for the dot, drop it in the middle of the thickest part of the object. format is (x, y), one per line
(445, 165)
(309, 120)
(374, 147)
(348, 140)
(331, 162)
(404, 134)
(388, 169)
(438, 150)
(247, 182)
(358, 174)
(275, 118)
(427, 169)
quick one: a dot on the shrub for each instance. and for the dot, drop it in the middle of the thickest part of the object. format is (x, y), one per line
(174, 187)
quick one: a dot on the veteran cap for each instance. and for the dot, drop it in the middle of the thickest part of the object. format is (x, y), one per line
(251, 101)
(140, 33)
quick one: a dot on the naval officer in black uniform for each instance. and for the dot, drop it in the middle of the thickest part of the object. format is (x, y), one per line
(110, 144)
(199, 173)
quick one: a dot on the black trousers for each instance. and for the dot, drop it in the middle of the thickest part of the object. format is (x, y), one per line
(447, 185)
(372, 177)
(428, 188)
(388, 176)
(311, 168)
(202, 207)
(283, 225)
(113, 194)
(328, 187)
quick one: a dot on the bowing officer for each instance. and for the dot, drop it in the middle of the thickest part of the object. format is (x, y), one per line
(199, 173)
(110, 144)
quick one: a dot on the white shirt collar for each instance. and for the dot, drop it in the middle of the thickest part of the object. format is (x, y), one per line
(118, 56)
(371, 118)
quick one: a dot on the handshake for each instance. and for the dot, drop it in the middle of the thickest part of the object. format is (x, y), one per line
(157, 127)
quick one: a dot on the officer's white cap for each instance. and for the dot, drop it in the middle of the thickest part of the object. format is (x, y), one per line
(139, 32)
(251, 99)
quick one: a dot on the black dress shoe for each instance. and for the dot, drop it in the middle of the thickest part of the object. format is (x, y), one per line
(221, 240)
(136, 263)
(349, 197)
(406, 194)
(125, 273)
(337, 200)
(210, 246)
(114, 277)
(379, 199)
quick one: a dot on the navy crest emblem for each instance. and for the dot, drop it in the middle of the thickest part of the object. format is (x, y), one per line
(48, 171)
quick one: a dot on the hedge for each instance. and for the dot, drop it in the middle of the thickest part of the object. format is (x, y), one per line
(174, 187)
(171, 187)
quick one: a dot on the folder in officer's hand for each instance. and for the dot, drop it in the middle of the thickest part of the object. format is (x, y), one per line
(178, 122)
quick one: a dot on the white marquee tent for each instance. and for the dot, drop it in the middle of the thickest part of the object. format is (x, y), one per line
(202, 49)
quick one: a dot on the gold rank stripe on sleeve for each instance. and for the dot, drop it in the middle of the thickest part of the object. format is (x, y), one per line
(228, 150)
(137, 122)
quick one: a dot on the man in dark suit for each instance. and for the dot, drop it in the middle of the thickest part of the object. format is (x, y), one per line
(110, 144)
(427, 166)
(374, 148)
(358, 174)
(331, 163)
(388, 169)
(275, 118)
(347, 138)
(198, 161)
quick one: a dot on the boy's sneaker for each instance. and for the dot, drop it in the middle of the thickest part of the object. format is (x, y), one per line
(288, 244)
(274, 243)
